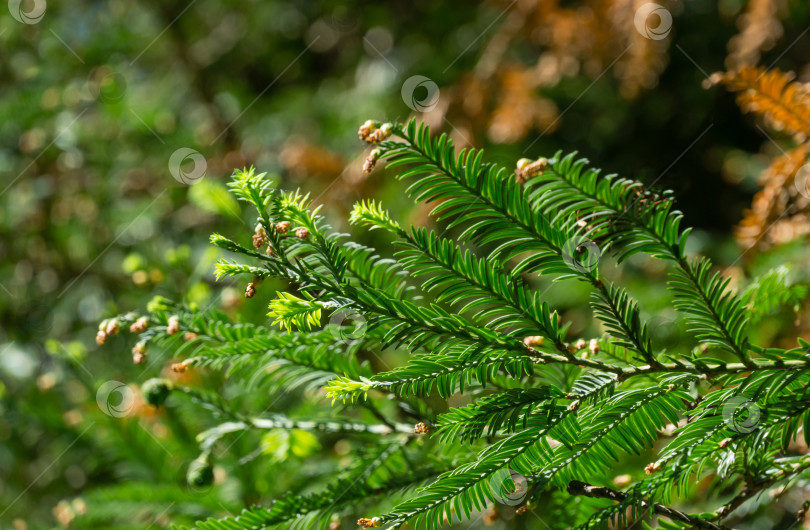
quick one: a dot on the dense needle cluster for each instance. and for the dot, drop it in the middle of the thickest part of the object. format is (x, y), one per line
(551, 416)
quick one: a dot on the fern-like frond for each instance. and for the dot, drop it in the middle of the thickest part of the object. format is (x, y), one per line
(502, 412)
(715, 314)
(478, 285)
(633, 220)
(289, 311)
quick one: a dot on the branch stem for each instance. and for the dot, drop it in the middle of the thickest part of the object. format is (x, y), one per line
(576, 487)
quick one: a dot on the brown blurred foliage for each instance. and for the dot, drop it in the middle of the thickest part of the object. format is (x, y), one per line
(780, 211)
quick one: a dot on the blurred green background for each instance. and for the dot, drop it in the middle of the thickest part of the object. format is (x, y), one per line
(96, 97)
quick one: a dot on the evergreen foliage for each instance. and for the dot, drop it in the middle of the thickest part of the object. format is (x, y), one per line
(550, 414)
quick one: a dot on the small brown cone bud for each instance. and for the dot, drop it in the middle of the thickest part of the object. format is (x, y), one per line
(371, 161)
(371, 133)
(301, 233)
(533, 341)
(173, 326)
(573, 407)
(282, 227)
(421, 428)
(380, 134)
(651, 468)
(189, 336)
(250, 290)
(101, 337)
(259, 236)
(593, 346)
(270, 251)
(139, 353)
(365, 522)
(522, 509)
(527, 169)
(365, 130)
(580, 344)
(140, 325)
(491, 516)
(725, 443)
(179, 367)
(112, 327)
(520, 176)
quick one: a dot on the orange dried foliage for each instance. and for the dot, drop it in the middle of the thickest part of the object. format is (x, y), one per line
(505, 98)
(759, 30)
(780, 211)
(783, 103)
(519, 107)
(302, 158)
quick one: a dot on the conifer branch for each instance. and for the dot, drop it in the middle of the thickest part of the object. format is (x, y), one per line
(576, 487)
(455, 316)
